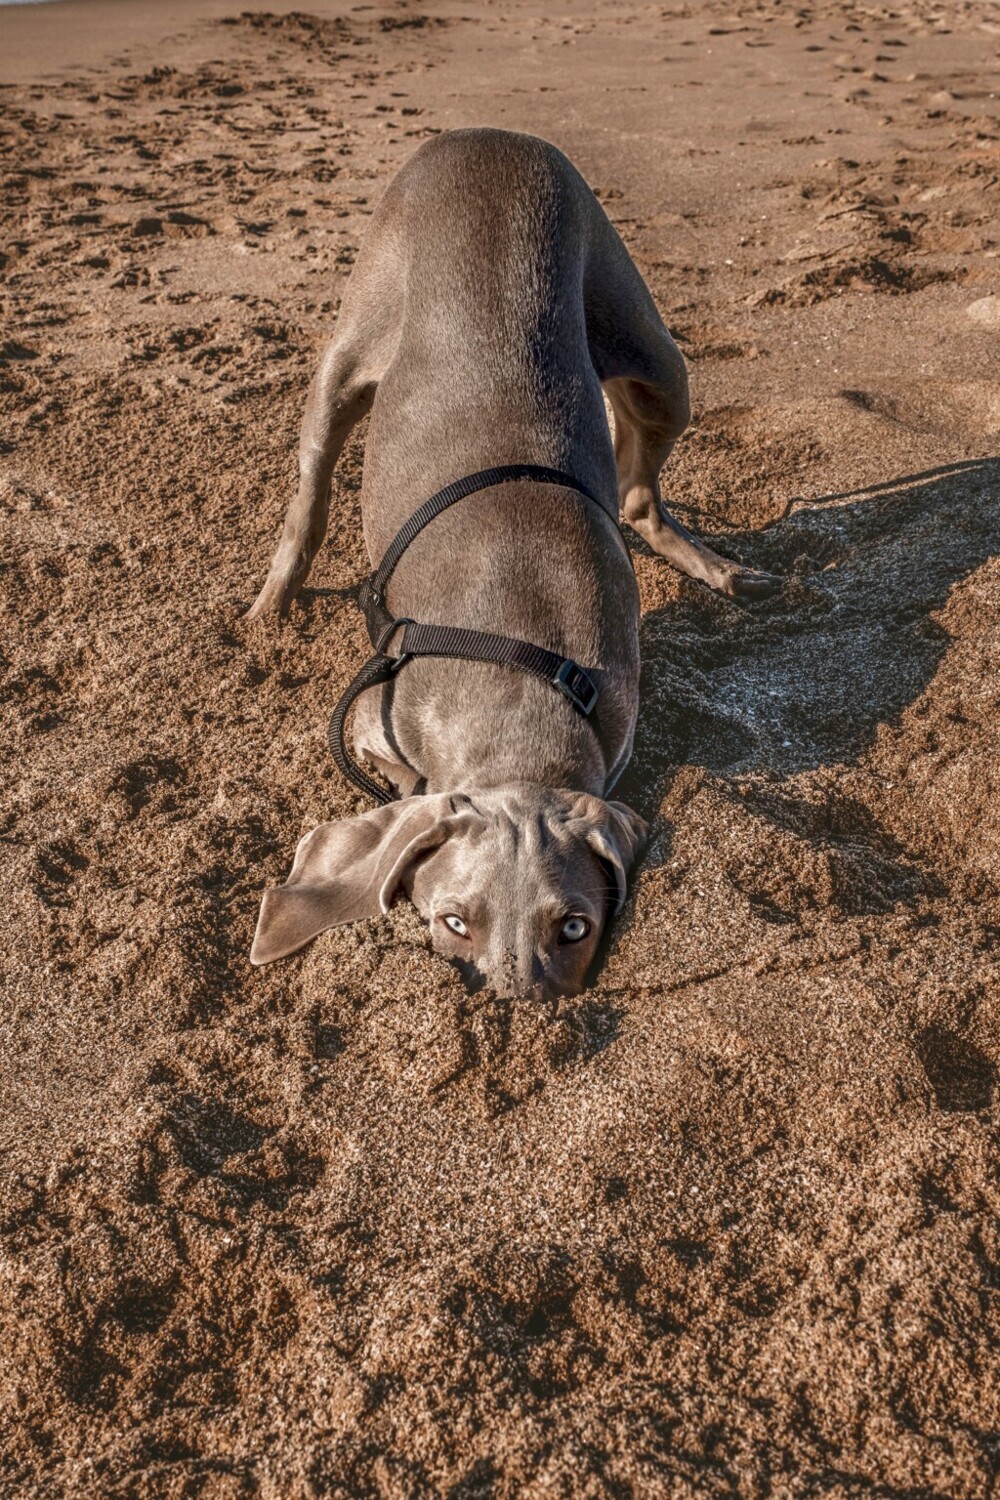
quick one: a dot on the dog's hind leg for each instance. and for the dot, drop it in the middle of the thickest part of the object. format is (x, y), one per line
(341, 393)
(645, 433)
(645, 379)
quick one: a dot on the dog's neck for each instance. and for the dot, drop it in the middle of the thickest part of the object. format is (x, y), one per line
(493, 738)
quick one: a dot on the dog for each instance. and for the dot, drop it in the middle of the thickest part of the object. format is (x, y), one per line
(491, 303)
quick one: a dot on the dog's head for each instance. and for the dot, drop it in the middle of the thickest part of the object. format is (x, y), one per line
(517, 883)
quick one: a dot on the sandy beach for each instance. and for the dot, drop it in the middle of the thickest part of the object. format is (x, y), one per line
(727, 1225)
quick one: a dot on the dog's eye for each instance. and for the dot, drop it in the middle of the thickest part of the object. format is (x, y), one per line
(574, 930)
(457, 925)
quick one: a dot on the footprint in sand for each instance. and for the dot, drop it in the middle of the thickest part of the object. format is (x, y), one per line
(942, 406)
(986, 311)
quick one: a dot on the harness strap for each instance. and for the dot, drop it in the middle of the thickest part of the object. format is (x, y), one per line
(377, 669)
(476, 645)
(485, 479)
(566, 676)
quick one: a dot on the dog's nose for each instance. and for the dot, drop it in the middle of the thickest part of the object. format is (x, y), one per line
(507, 977)
(531, 979)
(519, 977)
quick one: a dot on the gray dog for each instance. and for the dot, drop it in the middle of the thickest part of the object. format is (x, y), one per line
(490, 303)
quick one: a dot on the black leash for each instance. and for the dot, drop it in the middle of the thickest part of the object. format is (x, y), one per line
(566, 676)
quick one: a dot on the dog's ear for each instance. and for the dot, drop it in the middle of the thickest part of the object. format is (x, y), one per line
(350, 870)
(614, 834)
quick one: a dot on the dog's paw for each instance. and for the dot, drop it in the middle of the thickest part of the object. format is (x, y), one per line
(745, 584)
(274, 599)
(265, 606)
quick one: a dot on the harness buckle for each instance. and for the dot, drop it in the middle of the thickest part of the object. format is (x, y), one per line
(575, 684)
(387, 635)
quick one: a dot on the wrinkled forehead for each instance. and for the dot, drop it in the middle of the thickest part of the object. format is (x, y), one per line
(514, 853)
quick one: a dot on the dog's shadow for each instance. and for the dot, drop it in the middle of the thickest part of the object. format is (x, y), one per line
(806, 678)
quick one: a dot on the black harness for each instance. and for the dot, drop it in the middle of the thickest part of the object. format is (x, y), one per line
(566, 676)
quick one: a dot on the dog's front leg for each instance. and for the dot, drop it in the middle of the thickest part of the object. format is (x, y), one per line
(375, 742)
(341, 393)
(338, 398)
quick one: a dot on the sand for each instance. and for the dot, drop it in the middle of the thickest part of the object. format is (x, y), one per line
(727, 1225)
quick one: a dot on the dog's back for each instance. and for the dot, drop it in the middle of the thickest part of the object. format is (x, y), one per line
(472, 275)
(492, 362)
